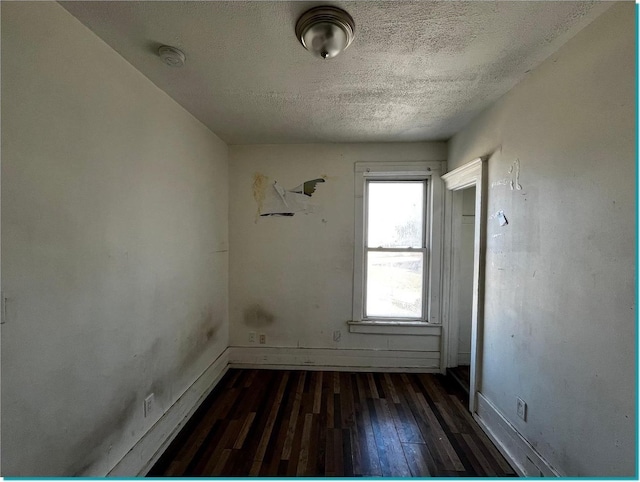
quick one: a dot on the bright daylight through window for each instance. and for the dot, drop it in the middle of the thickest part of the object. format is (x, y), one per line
(398, 242)
(395, 249)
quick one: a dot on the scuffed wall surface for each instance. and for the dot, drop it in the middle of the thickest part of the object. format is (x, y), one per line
(115, 261)
(291, 278)
(559, 319)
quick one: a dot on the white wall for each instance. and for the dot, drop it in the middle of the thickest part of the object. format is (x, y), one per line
(114, 250)
(465, 276)
(559, 316)
(292, 277)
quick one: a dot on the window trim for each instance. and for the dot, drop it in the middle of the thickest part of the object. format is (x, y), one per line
(434, 205)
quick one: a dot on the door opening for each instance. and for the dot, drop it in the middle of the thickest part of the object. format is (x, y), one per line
(459, 365)
(463, 296)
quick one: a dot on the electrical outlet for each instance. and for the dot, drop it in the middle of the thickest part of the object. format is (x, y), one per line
(263, 338)
(252, 337)
(521, 408)
(337, 335)
(148, 405)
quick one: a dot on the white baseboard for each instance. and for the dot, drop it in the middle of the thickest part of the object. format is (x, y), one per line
(146, 452)
(139, 460)
(334, 359)
(526, 461)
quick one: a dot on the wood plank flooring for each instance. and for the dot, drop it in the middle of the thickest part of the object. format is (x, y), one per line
(312, 423)
(462, 374)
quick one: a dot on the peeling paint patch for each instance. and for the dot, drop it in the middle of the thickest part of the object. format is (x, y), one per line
(260, 182)
(278, 201)
(500, 182)
(502, 219)
(514, 170)
(513, 180)
(256, 316)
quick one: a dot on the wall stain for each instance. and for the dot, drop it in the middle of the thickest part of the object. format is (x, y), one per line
(127, 400)
(190, 346)
(260, 183)
(158, 389)
(199, 338)
(91, 447)
(256, 316)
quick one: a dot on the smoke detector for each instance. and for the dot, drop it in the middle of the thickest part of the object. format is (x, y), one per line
(325, 31)
(171, 56)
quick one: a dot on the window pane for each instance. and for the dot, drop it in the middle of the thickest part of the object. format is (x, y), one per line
(395, 214)
(394, 284)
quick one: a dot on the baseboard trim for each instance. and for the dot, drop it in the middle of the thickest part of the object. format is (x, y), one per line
(526, 461)
(334, 359)
(144, 454)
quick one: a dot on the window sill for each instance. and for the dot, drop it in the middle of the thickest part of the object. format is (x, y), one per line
(394, 328)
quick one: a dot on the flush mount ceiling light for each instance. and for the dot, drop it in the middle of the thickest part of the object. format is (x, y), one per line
(171, 56)
(325, 31)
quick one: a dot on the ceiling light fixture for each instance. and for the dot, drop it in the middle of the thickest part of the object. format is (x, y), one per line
(171, 56)
(325, 31)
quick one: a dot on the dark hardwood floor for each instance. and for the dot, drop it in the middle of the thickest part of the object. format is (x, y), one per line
(310, 423)
(462, 374)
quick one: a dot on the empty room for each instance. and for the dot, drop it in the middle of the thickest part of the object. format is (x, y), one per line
(292, 238)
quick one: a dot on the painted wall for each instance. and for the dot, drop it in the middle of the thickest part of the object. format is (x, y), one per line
(291, 278)
(466, 275)
(559, 316)
(115, 261)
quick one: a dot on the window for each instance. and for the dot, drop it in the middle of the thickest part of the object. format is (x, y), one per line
(394, 249)
(397, 252)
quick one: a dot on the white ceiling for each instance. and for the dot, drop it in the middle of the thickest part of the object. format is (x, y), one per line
(416, 71)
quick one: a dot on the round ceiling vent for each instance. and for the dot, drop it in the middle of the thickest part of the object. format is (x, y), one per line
(171, 56)
(325, 31)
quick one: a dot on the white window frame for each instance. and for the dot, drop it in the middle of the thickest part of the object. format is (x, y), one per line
(434, 211)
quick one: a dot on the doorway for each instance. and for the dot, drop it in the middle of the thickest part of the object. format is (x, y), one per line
(459, 366)
(465, 221)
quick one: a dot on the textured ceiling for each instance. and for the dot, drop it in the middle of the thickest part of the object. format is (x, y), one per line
(416, 71)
